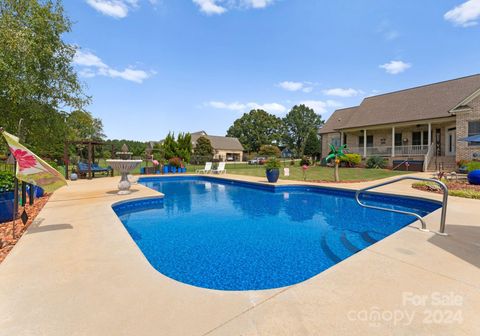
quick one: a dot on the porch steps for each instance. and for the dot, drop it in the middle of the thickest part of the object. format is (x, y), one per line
(443, 163)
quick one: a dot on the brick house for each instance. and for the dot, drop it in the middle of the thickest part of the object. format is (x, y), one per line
(419, 125)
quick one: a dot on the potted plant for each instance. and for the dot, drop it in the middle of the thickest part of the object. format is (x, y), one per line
(6, 196)
(74, 175)
(174, 164)
(272, 169)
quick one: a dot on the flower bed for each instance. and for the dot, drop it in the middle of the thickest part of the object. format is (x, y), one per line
(455, 188)
(6, 229)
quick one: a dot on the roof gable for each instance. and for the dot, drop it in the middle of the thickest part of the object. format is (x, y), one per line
(420, 103)
(219, 142)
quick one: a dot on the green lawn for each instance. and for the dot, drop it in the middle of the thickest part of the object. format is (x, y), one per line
(296, 173)
(313, 173)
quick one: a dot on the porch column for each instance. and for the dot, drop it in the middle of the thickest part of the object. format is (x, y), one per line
(393, 141)
(341, 138)
(429, 135)
(365, 143)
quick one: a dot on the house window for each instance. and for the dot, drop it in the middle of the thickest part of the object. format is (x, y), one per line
(398, 139)
(344, 138)
(416, 138)
(473, 129)
(369, 141)
(425, 138)
(336, 141)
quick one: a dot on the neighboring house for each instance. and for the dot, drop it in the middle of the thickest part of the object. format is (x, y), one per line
(421, 124)
(286, 153)
(224, 148)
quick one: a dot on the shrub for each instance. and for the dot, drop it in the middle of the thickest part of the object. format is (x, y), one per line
(351, 160)
(269, 151)
(292, 162)
(376, 162)
(272, 163)
(305, 161)
(6, 181)
(175, 162)
(473, 165)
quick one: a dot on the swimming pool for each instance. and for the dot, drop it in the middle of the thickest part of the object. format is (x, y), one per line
(228, 235)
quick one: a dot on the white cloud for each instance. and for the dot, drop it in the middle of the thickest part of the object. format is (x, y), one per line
(320, 106)
(395, 67)
(341, 92)
(115, 8)
(212, 7)
(274, 108)
(465, 15)
(296, 86)
(256, 3)
(88, 59)
(92, 66)
(227, 106)
(291, 86)
(388, 33)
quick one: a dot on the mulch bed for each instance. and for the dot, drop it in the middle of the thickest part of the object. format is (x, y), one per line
(6, 229)
(452, 185)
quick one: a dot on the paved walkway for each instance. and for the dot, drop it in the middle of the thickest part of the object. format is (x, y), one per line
(77, 272)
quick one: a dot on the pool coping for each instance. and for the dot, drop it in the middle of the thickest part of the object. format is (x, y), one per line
(74, 271)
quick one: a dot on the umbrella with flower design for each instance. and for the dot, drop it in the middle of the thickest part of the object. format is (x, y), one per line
(32, 169)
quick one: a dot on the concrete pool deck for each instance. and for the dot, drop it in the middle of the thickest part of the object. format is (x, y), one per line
(76, 271)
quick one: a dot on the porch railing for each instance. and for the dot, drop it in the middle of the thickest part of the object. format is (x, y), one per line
(387, 150)
(428, 156)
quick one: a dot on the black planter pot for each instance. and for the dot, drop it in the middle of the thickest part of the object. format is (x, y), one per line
(272, 175)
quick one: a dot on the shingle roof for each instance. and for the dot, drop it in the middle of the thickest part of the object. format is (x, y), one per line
(219, 142)
(338, 118)
(419, 103)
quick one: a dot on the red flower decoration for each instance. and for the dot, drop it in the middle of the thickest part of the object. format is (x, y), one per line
(24, 159)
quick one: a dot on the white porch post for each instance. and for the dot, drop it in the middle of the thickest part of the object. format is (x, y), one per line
(429, 134)
(393, 141)
(365, 143)
(341, 138)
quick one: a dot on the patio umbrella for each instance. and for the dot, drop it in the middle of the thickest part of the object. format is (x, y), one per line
(473, 138)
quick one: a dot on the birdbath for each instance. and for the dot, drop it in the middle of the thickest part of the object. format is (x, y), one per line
(124, 165)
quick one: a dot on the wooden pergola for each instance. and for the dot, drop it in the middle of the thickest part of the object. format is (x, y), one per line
(91, 144)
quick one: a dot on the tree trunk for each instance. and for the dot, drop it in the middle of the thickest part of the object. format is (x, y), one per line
(337, 177)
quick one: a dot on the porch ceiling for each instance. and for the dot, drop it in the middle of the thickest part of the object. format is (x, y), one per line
(437, 121)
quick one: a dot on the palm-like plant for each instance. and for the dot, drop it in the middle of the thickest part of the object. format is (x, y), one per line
(336, 153)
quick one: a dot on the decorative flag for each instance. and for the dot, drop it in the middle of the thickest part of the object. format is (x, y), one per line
(32, 169)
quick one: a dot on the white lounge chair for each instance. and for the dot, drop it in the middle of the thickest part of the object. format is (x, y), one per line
(206, 170)
(220, 169)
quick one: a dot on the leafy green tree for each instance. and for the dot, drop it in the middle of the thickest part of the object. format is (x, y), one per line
(203, 149)
(269, 151)
(37, 80)
(298, 124)
(170, 147)
(313, 145)
(184, 146)
(255, 129)
(82, 125)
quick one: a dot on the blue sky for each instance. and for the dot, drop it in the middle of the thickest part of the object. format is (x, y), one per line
(154, 66)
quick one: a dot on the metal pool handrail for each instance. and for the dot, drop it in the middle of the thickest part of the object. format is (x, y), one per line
(424, 225)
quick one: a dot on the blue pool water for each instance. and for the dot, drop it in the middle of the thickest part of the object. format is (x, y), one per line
(219, 234)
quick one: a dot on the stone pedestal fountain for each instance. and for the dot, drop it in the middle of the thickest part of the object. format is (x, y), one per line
(124, 165)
